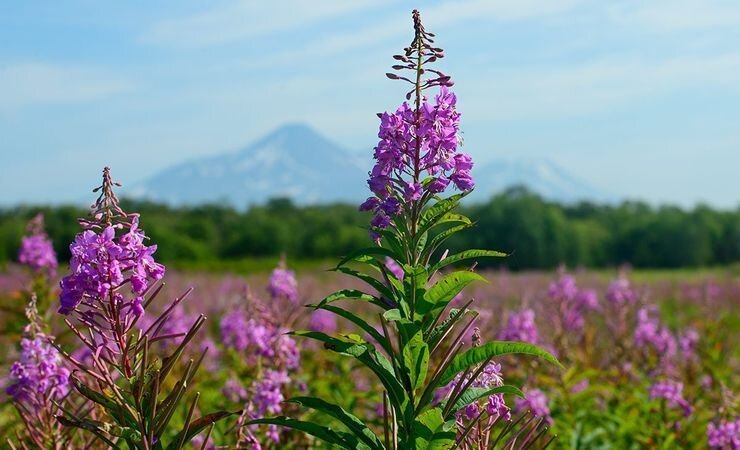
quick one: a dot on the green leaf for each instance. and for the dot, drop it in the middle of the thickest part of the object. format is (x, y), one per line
(444, 290)
(439, 238)
(430, 431)
(349, 294)
(366, 327)
(439, 209)
(366, 353)
(376, 284)
(468, 254)
(369, 251)
(416, 359)
(415, 283)
(355, 425)
(474, 394)
(199, 425)
(326, 434)
(477, 355)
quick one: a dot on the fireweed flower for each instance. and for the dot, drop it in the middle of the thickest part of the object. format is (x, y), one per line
(258, 338)
(672, 392)
(415, 141)
(650, 334)
(490, 377)
(537, 402)
(39, 376)
(572, 302)
(266, 398)
(521, 327)
(619, 292)
(283, 284)
(725, 435)
(37, 251)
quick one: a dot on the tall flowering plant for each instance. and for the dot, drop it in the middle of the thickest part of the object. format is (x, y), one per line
(416, 349)
(113, 278)
(37, 254)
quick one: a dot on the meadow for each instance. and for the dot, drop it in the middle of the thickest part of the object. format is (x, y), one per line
(407, 339)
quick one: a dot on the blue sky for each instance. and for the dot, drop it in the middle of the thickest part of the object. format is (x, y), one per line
(641, 98)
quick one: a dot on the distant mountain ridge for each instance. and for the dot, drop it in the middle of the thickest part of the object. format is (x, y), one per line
(296, 162)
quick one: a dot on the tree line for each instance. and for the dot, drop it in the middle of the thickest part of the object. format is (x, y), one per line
(539, 234)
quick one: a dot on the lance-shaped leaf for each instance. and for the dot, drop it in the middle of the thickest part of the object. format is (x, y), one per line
(350, 294)
(374, 252)
(366, 327)
(326, 434)
(377, 285)
(366, 353)
(444, 290)
(431, 432)
(467, 254)
(198, 425)
(441, 237)
(416, 359)
(353, 424)
(477, 355)
(432, 215)
(473, 394)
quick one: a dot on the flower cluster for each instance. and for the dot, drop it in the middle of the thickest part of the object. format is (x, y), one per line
(283, 284)
(649, 333)
(537, 402)
(726, 435)
(413, 141)
(572, 301)
(102, 262)
(260, 338)
(521, 327)
(495, 405)
(39, 376)
(672, 392)
(267, 397)
(619, 292)
(37, 251)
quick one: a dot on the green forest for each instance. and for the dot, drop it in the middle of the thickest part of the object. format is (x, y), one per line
(539, 234)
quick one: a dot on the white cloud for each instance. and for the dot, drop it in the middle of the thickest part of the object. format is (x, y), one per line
(595, 86)
(677, 15)
(30, 84)
(243, 19)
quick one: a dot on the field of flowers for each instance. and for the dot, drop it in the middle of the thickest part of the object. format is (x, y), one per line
(651, 361)
(401, 345)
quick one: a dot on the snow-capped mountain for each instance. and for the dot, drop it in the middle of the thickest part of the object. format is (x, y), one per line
(297, 162)
(293, 161)
(538, 175)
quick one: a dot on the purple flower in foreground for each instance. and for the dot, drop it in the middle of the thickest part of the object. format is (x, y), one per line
(267, 398)
(283, 284)
(725, 435)
(414, 142)
(521, 327)
(102, 262)
(39, 375)
(537, 402)
(495, 405)
(672, 392)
